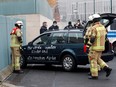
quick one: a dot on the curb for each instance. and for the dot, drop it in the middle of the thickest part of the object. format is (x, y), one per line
(7, 85)
(4, 73)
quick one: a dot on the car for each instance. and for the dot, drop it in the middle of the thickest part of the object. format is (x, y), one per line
(64, 47)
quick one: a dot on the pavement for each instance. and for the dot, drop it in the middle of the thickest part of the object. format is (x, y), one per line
(55, 76)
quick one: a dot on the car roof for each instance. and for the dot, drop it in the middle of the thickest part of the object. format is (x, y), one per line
(61, 30)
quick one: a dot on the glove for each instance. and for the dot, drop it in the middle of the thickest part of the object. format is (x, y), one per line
(86, 41)
(20, 39)
(87, 50)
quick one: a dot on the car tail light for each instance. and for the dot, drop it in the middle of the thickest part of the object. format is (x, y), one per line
(84, 48)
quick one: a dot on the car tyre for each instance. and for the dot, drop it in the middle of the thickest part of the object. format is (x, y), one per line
(23, 62)
(68, 63)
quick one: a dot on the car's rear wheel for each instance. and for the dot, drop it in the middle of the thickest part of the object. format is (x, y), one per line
(68, 63)
(23, 62)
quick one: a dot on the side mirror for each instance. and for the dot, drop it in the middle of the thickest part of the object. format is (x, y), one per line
(30, 43)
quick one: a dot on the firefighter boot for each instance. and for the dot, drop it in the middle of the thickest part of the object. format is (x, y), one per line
(93, 77)
(107, 70)
(18, 71)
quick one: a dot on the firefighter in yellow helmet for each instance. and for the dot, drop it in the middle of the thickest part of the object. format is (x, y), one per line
(96, 44)
(16, 43)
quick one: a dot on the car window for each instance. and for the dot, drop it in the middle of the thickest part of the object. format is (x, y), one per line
(104, 21)
(42, 39)
(58, 38)
(75, 37)
(113, 25)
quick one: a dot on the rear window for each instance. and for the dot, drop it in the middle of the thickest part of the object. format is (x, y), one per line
(75, 37)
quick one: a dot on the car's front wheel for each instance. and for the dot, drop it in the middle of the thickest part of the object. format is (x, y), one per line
(68, 63)
(23, 62)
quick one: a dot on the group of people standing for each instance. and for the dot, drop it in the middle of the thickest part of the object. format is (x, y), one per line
(51, 28)
(77, 25)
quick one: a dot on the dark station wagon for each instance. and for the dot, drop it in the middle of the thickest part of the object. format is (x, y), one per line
(64, 47)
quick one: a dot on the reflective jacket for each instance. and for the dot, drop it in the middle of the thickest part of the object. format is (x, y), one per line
(15, 33)
(99, 32)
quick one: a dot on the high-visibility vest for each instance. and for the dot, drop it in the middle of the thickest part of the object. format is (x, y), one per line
(13, 31)
(14, 40)
(99, 44)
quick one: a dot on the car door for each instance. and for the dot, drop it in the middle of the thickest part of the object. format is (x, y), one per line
(109, 17)
(57, 44)
(75, 42)
(37, 51)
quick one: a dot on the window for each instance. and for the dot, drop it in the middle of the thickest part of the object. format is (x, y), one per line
(75, 37)
(58, 38)
(104, 21)
(42, 39)
(113, 25)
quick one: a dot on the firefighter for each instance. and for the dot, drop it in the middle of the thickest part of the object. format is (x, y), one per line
(96, 44)
(87, 37)
(16, 43)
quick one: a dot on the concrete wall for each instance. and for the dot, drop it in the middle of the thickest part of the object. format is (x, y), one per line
(6, 25)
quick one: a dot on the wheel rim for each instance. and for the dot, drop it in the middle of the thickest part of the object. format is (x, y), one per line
(67, 63)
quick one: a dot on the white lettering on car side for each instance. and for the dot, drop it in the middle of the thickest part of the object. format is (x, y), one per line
(48, 58)
(40, 50)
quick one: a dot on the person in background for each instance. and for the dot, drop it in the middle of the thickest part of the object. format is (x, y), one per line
(69, 26)
(78, 25)
(43, 28)
(54, 26)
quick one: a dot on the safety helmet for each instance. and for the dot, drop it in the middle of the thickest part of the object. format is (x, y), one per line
(19, 23)
(90, 18)
(96, 16)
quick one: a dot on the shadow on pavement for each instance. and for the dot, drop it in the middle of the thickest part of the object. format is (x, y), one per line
(57, 68)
